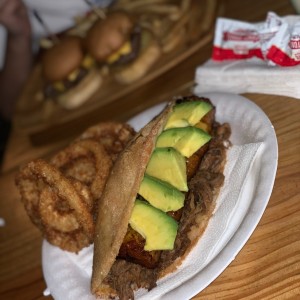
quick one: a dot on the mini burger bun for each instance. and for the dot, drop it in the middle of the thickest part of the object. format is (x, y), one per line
(149, 54)
(108, 35)
(82, 92)
(63, 58)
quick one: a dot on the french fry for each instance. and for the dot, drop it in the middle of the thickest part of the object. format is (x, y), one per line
(135, 4)
(172, 11)
(172, 39)
(148, 58)
(160, 27)
(185, 5)
(208, 17)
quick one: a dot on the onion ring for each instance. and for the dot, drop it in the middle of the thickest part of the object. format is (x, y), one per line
(66, 191)
(114, 136)
(61, 221)
(30, 186)
(56, 213)
(100, 162)
(61, 196)
(39, 181)
(73, 242)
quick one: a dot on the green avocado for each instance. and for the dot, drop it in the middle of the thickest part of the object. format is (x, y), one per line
(188, 113)
(186, 140)
(167, 164)
(158, 228)
(161, 194)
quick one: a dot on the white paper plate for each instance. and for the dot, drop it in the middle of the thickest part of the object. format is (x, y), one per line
(64, 273)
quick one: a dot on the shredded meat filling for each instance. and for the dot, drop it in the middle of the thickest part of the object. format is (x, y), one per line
(126, 277)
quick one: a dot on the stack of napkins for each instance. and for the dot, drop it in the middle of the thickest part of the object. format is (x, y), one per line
(248, 76)
(254, 57)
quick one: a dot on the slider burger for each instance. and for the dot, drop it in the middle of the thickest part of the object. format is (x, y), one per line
(120, 43)
(69, 73)
(158, 198)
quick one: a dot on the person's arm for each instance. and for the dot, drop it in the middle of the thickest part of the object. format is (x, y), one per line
(18, 60)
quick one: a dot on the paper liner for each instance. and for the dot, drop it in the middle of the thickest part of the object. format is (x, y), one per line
(248, 76)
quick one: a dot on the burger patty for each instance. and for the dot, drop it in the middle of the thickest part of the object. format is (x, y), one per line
(135, 43)
(126, 276)
(51, 92)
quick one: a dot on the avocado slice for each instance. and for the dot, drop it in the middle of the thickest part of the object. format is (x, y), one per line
(158, 228)
(167, 164)
(187, 140)
(188, 113)
(161, 194)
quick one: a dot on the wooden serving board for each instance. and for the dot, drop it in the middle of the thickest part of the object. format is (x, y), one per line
(34, 115)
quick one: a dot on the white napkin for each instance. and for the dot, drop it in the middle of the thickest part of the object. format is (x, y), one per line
(248, 76)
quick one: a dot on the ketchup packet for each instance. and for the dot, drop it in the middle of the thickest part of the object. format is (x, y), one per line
(276, 40)
(236, 40)
(285, 47)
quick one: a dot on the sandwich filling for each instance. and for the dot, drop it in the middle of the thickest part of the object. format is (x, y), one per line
(136, 266)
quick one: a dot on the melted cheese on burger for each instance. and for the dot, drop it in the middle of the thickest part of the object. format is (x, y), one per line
(125, 49)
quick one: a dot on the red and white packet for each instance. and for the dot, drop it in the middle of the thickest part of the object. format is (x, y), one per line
(236, 40)
(285, 47)
(276, 40)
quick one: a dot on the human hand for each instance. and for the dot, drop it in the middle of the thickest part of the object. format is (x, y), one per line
(14, 16)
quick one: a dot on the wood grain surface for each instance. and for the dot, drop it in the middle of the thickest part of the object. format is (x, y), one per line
(268, 266)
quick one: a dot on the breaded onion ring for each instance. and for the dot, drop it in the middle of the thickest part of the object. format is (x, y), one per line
(52, 217)
(60, 196)
(56, 213)
(112, 135)
(37, 180)
(71, 241)
(30, 187)
(86, 161)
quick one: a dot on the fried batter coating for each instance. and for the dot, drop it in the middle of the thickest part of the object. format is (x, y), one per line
(61, 196)
(45, 182)
(86, 161)
(57, 213)
(112, 135)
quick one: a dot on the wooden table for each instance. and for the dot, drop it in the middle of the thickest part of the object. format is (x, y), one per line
(268, 266)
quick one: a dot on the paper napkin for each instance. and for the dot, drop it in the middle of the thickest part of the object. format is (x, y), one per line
(248, 76)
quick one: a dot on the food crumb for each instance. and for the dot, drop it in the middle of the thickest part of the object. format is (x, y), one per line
(46, 292)
(2, 222)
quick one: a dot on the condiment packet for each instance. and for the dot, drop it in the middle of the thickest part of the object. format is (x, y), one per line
(236, 40)
(276, 40)
(284, 50)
